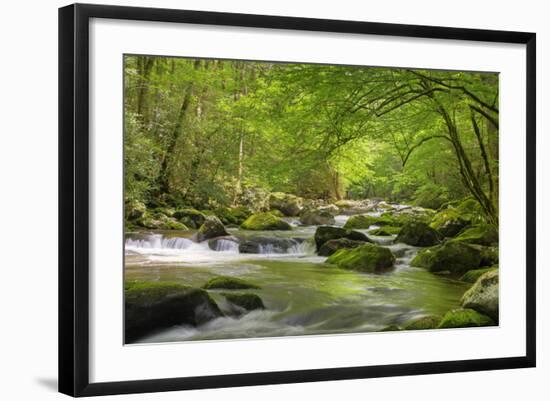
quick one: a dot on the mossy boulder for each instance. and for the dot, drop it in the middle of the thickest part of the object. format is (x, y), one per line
(483, 295)
(481, 234)
(453, 256)
(190, 217)
(464, 318)
(159, 221)
(333, 245)
(385, 231)
(229, 283)
(246, 301)
(363, 222)
(233, 216)
(289, 205)
(265, 221)
(150, 306)
(417, 233)
(423, 323)
(449, 222)
(211, 228)
(471, 276)
(368, 258)
(134, 209)
(316, 217)
(423, 257)
(276, 213)
(327, 233)
(489, 255)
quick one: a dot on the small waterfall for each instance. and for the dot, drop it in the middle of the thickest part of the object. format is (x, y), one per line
(157, 241)
(223, 245)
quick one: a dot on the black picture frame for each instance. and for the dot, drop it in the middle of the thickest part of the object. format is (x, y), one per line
(74, 198)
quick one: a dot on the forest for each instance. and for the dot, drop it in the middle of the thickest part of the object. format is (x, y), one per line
(269, 166)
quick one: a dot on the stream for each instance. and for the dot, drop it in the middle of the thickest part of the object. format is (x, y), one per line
(303, 295)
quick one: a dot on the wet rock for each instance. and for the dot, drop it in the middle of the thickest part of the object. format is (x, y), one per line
(211, 228)
(151, 306)
(265, 221)
(326, 233)
(333, 245)
(246, 301)
(483, 296)
(417, 233)
(225, 243)
(363, 222)
(385, 231)
(368, 258)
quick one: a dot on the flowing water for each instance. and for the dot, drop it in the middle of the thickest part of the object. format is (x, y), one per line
(303, 295)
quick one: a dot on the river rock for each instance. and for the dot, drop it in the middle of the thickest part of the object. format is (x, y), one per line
(153, 305)
(211, 228)
(246, 301)
(233, 216)
(333, 245)
(190, 217)
(352, 207)
(449, 222)
(453, 256)
(368, 258)
(385, 231)
(481, 234)
(326, 233)
(316, 217)
(483, 296)
(265, 221)
(464, 318)
(289, 205)
(268, 245)
(363, 222)
(417, 233)
(229, 283)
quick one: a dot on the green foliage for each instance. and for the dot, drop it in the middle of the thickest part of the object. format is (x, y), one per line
(212, 134)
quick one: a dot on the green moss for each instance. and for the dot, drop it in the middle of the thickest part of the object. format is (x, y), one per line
(360, 222)
(190, 217)
(332, 246)
(423, 257)
(367, 258)
(453, 256)
(385, 231)
(481, 234)
(153, 290)
(423, 323)
(472, 275)
(245, 300)
(229, 283)
(417, 233)
(464, 318)
(276, 213)
(449, 222)
(236, 215)
(265, 221)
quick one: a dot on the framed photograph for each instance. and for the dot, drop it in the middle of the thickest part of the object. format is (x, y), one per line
(250, 199)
